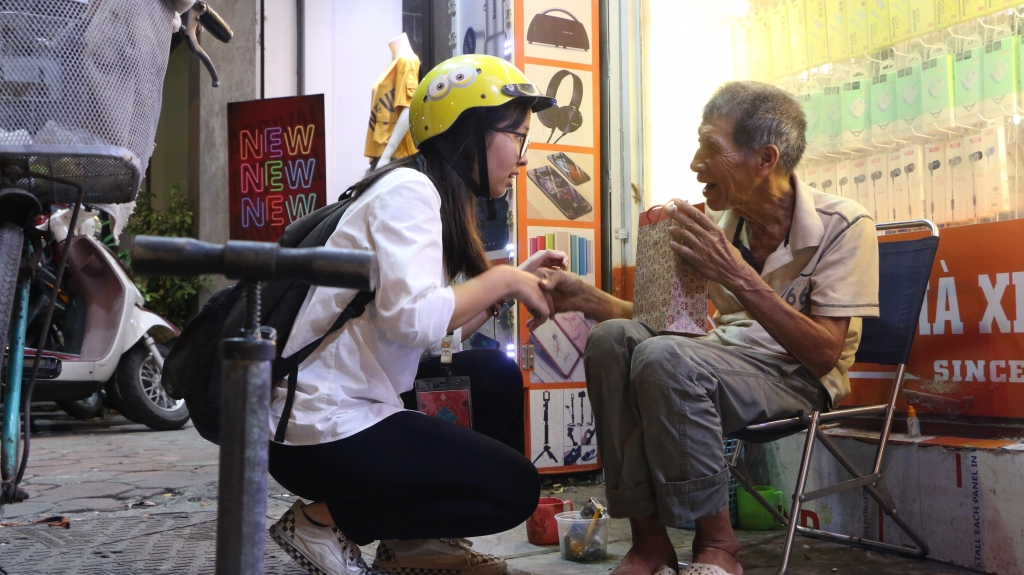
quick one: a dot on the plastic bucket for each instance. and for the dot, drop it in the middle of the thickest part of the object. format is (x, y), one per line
(582, 540)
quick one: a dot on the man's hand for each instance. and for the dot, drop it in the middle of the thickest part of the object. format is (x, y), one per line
(545, 259)
(566, 290)
(703, 244)
(569, 292)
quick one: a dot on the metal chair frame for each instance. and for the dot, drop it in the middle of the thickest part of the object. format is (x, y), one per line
(871, 482)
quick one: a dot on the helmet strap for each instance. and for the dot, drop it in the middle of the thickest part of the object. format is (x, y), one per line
(479, 190)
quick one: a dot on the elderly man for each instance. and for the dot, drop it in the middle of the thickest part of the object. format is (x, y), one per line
(792, 271)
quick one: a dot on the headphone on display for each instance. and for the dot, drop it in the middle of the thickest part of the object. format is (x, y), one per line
(565, 119)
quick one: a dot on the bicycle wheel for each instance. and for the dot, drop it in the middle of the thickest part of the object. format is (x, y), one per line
(11, 238)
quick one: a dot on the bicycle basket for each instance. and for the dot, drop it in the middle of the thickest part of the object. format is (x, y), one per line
(80, 91)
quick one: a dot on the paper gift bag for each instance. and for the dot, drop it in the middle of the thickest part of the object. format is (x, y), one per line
(669, 294)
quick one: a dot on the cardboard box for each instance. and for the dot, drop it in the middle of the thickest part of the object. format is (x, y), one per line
(782, 63)
(877, 186)
(760, 43)
(968, 84)
(859, 171)
(857, 27)
(947, 13)
(909, 101)
(827, 177)
(838, 35)
(844, 185)
(997, 191)
(1000, 66)
(810, 178)
(797, 35)
(923, 16)
(937, 94)
(898, 202)
(901, 20)
(912, 164)
(961, 181)
(879, 25)
(936, 183)
(856, 112)
(817, 33)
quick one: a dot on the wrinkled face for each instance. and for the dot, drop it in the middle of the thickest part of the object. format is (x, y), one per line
(503, 161)
(728, 174)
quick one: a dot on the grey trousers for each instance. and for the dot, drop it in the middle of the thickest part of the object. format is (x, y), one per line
(662, 404)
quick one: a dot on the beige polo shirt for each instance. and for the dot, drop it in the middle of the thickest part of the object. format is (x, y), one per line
(828, 267)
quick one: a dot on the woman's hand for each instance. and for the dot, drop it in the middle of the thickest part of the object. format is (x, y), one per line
(545, 259)
(529, 290)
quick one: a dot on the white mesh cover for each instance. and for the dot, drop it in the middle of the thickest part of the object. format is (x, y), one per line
(80, 92)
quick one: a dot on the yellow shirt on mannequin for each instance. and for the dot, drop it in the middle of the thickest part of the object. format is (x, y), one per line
(393, 91)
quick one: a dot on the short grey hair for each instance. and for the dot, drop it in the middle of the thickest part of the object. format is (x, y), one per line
(764, 114)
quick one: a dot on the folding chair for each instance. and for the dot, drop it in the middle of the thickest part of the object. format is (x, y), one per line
(904, 267)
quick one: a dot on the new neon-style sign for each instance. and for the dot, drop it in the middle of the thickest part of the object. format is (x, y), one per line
(276, 163)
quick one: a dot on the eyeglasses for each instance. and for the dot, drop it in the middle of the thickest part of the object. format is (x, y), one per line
(522, 140)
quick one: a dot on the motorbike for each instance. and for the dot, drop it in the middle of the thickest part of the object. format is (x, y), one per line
(110, 347)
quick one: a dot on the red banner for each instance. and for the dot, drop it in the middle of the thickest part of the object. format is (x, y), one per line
(968, 356)
(276, 164)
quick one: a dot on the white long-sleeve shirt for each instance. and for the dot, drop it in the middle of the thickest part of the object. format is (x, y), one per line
(353, 379)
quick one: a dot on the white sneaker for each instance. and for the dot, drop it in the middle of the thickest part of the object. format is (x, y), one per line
(318, 550)
(435, 557)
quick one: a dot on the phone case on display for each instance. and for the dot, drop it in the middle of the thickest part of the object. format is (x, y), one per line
(574, 327)
(569, 168)
(556, 345)
(554, 186)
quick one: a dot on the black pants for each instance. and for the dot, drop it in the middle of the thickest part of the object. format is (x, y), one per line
(496, 389)
(412, 476)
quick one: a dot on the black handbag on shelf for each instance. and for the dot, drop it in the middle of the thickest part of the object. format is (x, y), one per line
(557, 31)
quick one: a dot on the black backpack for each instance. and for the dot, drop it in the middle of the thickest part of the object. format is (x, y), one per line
(192, 370)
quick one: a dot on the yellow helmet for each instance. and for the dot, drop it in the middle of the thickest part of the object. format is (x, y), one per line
(462, 83)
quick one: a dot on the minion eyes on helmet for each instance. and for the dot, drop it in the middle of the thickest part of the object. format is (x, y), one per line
(462, 77)
(438, 88)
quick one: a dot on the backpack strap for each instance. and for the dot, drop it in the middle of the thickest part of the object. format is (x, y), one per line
(290, 365)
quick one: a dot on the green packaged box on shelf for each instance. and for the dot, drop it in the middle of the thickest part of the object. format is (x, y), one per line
(811, 102)
(856, 111)
(831, 123)
(937, 93)
(999, 65)
(908, 100)
(883, 105)
(968, 85)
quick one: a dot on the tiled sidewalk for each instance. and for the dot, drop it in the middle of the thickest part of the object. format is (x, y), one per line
(143, 502)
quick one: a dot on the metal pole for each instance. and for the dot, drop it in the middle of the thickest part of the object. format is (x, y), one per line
(12, 395)
(244, 433)
(300, 47)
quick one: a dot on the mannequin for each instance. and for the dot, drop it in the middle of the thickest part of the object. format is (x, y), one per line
(394, 89)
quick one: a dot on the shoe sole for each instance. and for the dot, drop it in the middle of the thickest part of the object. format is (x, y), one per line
(483, 569)
(295, 553)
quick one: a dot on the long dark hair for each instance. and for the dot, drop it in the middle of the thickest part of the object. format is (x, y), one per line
(460, 237)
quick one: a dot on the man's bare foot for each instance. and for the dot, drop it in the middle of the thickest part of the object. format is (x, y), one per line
(715, 543)
(651, 548)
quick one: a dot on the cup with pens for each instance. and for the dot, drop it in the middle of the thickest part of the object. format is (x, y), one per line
(583, 534)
